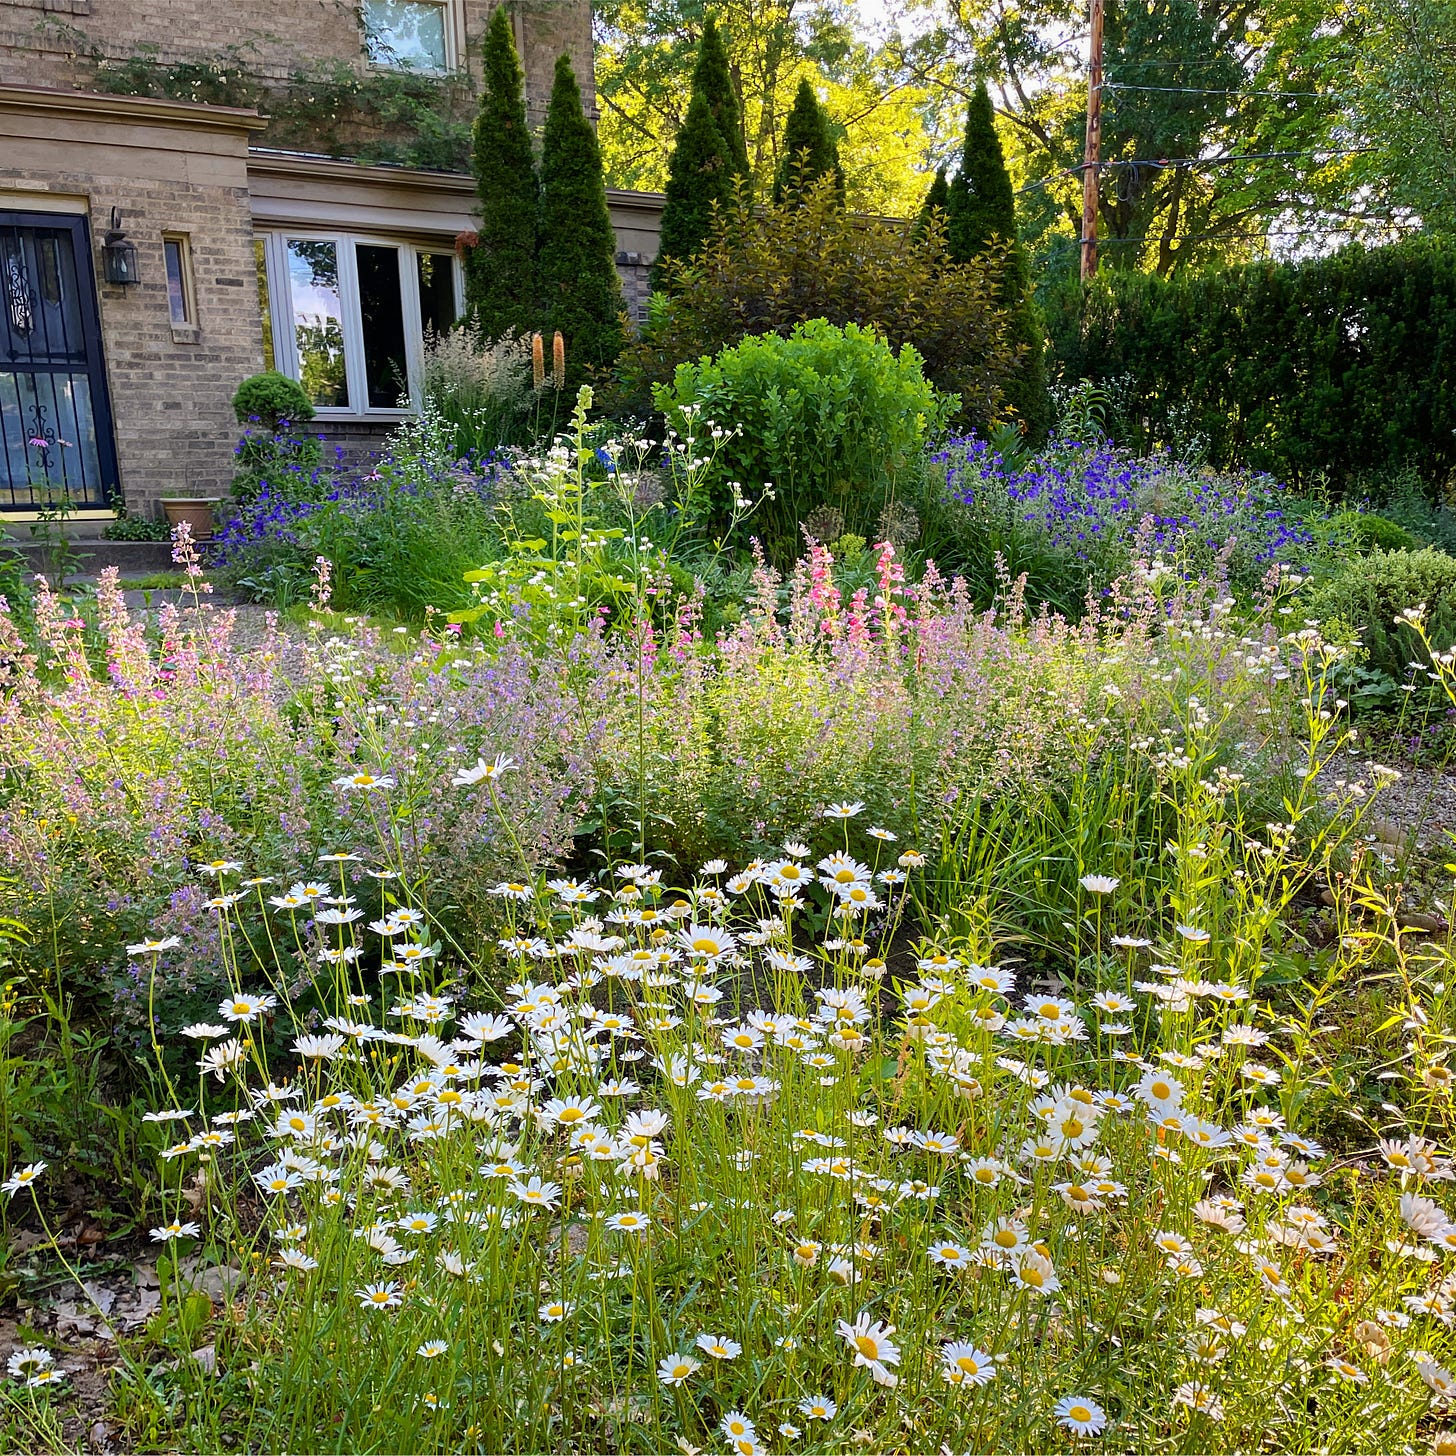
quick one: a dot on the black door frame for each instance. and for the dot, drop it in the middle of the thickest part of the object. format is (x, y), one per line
(79, 226)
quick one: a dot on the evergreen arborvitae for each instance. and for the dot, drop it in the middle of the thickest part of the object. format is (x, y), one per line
(500, 284)
(936, 199)
(981, 213)
(713, 81)
(700, 179)
(809, 150)
(981, 208)
(575, 266)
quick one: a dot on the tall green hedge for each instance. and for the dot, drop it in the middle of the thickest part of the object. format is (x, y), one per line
(1341, 366)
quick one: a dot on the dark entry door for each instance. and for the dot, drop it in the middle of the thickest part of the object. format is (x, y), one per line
(56, 447)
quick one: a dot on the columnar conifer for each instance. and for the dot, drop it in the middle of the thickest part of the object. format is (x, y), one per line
(500, 283)
(980, 214)
(580, 291)
(809, 150)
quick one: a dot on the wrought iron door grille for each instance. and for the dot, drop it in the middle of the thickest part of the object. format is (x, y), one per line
(56, 447)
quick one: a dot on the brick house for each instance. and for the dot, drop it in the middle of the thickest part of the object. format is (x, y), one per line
(155, 249)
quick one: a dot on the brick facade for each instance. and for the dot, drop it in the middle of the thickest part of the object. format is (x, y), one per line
(186, 169)
(63, 42)
(168, 167)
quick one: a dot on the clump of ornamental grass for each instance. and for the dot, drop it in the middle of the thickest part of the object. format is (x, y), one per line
(746, 1165)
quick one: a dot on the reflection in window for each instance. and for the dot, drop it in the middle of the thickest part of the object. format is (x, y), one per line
(406, 34)
(260, 258)
(438, 310)
(179, 299)
(318, 320)
(381, 312)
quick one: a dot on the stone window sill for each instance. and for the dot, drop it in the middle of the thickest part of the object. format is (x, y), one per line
(186, 334)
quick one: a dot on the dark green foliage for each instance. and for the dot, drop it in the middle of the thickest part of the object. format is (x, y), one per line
(980, 211)
(1370, 593)
(981, 208)
(713, 81)
(500, 283)
(576, 271)
(272, 399)
(937, 200)
(699, 185)
(1334, 367)
(766, 269)
(809, 150)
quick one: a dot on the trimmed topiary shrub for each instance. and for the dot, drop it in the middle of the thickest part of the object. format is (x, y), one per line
(1369, 594)
(829, 417)
(273, 400)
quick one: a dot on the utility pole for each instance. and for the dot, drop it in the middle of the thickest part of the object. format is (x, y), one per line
(1092, 154)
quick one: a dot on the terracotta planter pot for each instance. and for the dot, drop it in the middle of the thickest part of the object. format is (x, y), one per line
(196, 511)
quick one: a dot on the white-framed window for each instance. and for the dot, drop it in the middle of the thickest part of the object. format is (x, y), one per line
(411, 35)
(347, 313)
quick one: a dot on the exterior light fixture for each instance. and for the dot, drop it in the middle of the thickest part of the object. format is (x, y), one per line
(118, 256)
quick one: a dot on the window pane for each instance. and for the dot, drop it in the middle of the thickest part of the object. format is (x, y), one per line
(438, 310)
(260, 258)
(409, 34)
(381, 311)
(176, 282)
(318, 320)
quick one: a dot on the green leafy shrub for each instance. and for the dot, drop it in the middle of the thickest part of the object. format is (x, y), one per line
(828, 417)
(273, 400)
(1369, 594)
(766, 269)
(1364, 531)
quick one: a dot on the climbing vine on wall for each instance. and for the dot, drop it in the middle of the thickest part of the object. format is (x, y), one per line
(381, 116)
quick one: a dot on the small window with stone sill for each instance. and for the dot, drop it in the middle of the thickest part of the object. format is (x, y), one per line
(181, 293)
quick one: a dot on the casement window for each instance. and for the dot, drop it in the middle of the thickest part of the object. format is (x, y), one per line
(411, 35)
(347, 316)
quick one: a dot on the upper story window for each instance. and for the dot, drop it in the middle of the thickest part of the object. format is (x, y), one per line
(409, 35)
(347, 315)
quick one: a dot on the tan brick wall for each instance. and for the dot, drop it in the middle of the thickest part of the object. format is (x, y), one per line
(61, 42)
(170, 388)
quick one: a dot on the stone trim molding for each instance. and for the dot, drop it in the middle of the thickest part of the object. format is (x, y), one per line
(95, 106)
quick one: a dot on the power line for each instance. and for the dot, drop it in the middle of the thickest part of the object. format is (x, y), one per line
(1068, 243)
(1163, 163)
(1200, 91)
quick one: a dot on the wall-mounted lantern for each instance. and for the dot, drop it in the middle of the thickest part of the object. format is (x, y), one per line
(118, 256)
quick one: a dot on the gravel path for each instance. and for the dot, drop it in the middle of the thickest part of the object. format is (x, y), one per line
(1419, 807)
